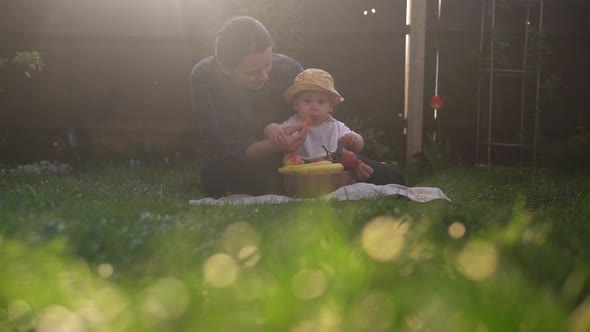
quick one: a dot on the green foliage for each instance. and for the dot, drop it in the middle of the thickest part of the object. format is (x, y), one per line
(120, 249)
(29, 61)
(571, 154)
(281, 18)
(373, 138)
(436, 152)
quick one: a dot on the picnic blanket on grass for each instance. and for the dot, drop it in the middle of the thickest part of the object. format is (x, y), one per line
(351, 192)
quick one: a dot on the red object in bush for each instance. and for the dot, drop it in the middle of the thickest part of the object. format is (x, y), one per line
(436, 102)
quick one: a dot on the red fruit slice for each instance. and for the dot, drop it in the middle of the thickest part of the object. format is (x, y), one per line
(292, 158)
(349, 160)
(305, 123)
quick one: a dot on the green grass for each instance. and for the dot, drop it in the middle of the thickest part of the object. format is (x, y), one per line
(119, 249)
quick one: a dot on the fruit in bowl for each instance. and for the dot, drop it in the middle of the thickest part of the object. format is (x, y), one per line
(292, 158)
(349, 160)
(314, 179)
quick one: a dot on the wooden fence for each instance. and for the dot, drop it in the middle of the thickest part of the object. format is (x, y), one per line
(118, 71)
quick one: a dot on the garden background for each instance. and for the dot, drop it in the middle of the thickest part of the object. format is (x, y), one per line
(117, 72)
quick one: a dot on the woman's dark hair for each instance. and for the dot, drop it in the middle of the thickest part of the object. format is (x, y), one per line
(239, 37)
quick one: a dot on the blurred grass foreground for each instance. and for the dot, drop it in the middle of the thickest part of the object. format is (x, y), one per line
(120, 249)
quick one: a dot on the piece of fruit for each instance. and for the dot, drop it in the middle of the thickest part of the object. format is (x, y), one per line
(292, 168)
(305, 123)
(292, 158)
(313, 168)
(349, 160)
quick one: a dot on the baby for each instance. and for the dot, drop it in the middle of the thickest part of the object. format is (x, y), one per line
(313, 97)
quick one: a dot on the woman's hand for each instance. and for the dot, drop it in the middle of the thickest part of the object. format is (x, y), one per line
(277, 134)
(363, 171)
(292, 143)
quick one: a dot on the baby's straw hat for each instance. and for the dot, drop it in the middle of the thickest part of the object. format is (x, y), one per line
(313, 79)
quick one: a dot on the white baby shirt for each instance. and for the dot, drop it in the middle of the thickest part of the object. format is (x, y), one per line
(327, 134)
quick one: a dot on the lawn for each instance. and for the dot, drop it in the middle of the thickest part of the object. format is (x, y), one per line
(120, 249)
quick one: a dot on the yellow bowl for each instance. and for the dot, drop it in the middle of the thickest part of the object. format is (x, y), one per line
(313, 185)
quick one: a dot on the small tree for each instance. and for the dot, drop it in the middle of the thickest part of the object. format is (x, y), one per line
(29, 61)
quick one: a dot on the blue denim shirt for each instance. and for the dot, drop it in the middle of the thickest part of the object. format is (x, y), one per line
(230, 117)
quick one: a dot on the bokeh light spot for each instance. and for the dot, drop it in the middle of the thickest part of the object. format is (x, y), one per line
(237, 236)
(383, 238)
(91, 314)
(166, 299)
(481, 328)
(309, 284)
(57, 319)
(478, 260)
(574, 284)
(373, 312)
(18, 309)
(330, 319)
(304, 326)
(456, 230)
(105, 270)
(111, 302)
(249, 255)
(21, 314)
(220, 270)
(415, 322)
(579, 320)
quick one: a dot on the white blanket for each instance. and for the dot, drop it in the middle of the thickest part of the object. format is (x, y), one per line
(352, 192)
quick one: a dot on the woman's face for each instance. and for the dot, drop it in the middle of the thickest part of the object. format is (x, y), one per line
(252, 72)
(316, 105)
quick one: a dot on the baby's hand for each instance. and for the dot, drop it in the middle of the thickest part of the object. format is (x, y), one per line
(350, 141)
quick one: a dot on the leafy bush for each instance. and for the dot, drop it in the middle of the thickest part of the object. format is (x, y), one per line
(572, 154)
(29, 61)
(374, 146)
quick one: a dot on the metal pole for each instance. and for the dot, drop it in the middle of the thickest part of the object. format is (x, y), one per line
(477, 139)
(538, 84)
(492, 33)
(524, 64)
(437, 132)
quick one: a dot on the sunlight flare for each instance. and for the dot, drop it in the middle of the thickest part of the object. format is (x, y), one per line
(580, 319)
(249, 255)
(220, 270)
(166, 299)
(478, 260)
(309, 284)
(383, 238)
(237, 236)
(374, 312)
(105, 270)
(457, 230)
(57, 318)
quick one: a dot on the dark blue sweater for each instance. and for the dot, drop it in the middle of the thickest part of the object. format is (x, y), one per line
(230, 118)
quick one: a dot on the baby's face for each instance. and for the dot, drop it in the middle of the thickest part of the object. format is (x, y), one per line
(316, 105)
